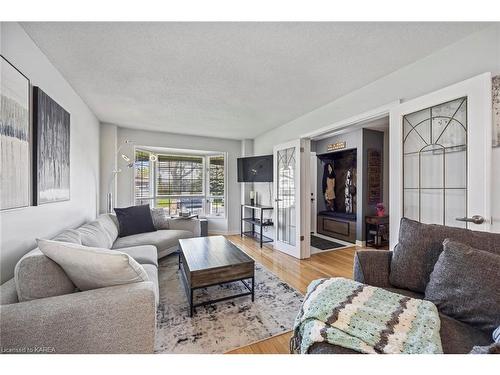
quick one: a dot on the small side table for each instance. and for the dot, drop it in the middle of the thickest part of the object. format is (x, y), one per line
(377, 231)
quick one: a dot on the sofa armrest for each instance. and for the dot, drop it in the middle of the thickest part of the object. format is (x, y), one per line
(118, 319)
(192, 225)
(373, 267)
(8, 292)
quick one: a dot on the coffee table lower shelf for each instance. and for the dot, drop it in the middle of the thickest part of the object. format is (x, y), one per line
(190, 290)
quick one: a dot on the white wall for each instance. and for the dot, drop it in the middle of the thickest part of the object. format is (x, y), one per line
(478, 53)
(246, 150)
(125, 196)
(108, 147)
(20, 227)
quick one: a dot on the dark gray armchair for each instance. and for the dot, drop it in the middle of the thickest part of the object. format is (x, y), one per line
(407, 269)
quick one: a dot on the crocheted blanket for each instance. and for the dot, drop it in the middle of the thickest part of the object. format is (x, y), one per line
(366, 319)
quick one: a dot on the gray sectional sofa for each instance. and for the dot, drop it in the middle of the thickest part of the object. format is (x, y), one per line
(40, 308)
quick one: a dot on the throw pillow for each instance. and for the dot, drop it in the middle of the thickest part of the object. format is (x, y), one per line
(419, 246)
(93, 234)
(110, 225)
(160, 219)
(134, 220)
(465, 285)
(69, 235)
(92, 268)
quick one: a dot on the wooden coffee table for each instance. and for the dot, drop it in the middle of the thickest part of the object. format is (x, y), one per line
(208, 261)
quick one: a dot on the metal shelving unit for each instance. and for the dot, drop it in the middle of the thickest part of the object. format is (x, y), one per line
(255, 222)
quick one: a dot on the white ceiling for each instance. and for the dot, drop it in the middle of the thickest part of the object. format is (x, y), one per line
(231, 80)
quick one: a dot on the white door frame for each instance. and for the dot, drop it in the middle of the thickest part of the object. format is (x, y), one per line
(313, 177)
(478, 92)
(301, 249)
(359, 119)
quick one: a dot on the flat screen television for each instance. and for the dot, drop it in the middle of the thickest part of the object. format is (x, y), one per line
(255, 169)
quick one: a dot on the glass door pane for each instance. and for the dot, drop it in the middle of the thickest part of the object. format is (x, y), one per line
(435, 163)
(285, 202)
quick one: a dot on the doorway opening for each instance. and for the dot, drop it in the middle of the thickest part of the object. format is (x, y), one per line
(349, 186)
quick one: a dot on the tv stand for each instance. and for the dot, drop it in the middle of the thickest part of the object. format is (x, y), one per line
(255, 221)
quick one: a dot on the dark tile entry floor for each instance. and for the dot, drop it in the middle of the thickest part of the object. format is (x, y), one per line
(322, 244)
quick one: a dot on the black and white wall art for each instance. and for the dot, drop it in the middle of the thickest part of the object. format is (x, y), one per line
(51, 127)
(496, 110)
(15, 158)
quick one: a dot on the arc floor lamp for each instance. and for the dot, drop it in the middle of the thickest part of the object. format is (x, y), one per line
(115, 171)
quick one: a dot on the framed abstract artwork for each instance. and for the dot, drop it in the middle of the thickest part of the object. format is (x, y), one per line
(51, 154)
(15, 137)
(496, 110)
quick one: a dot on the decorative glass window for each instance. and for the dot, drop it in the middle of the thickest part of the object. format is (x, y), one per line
(216, 185)
(435, 163)
(286, 209)
(181, 183)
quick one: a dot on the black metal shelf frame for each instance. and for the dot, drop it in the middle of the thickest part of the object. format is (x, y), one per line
(254, 221)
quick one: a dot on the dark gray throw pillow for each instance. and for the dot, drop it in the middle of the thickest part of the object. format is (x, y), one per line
(465, 285)
(419, 246)
(134, 220)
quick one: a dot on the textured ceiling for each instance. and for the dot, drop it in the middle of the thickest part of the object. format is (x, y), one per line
(231, 80)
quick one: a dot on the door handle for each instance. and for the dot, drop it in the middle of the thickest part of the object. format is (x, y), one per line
(476, 219)
(278, 200)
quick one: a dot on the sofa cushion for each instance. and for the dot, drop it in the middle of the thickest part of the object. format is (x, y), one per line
(192, 224)
(162, 239)
(94, 235)
(37, 276)
(110, 225)
(419, 247)
(91, 267)
(134, 220)
(459, 338)
(465, 285)
(152, 272)
(69, 235)
(145, 254)
(160, 219)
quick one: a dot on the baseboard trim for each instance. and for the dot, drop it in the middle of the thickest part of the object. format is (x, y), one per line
(223, 233)
(360, 243)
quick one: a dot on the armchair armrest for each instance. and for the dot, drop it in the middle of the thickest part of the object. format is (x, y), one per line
(373, 267)
(192, 225)
(118, 319)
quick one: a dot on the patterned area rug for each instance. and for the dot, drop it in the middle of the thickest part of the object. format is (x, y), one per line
(226, 325)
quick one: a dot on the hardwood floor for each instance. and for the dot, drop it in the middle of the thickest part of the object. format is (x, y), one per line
(297, 273)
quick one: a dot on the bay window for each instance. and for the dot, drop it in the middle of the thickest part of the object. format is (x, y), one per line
(192, 183)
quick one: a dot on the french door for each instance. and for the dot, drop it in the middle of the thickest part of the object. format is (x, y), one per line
(291, 211)
(440, 157)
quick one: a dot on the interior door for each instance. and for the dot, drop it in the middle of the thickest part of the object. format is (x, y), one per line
(440, 157)
(291, 212)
